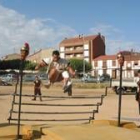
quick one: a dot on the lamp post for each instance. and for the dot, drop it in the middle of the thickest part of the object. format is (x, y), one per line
(84, 64)
(120, 59)
(24, 53)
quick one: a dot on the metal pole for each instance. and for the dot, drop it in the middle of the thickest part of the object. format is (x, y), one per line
(139, 107)
(83, 67)
(120, 97)
(20, 97)
(83, 56)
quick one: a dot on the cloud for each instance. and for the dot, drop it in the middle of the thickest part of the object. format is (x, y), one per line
(115, 39)
(15, 29)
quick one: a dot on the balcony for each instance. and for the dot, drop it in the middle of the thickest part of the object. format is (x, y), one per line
(73, 51)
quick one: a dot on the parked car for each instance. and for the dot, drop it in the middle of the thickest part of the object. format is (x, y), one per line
(29, 78)
(4, 83)
(9, 77)
(104, 78)
(43, 76)
(89, 79)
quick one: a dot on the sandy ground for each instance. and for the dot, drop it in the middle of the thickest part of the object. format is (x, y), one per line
(108, 111)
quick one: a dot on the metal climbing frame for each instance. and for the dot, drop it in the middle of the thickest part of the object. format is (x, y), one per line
(92, 113)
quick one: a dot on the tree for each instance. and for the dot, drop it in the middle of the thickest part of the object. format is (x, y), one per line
(29, 65)
(9, 64)
(77, 64)
(15, 64)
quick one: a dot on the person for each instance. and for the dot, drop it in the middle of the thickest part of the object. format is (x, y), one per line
(138, 89)
(37, 88)
(59, 69)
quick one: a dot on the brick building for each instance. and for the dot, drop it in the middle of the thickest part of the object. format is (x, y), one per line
(83, 47)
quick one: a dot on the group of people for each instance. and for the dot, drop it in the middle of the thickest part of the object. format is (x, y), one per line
(58, 69)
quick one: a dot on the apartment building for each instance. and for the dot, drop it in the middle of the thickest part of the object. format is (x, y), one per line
(108, 64)
(83, 47)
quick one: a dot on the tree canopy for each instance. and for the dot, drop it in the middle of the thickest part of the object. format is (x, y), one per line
(78, 64)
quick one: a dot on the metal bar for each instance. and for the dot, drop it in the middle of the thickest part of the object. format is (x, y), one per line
(93, 113)
(110, 83)
(26, 112)
(102, 100)
(82, 97)
(56, 104)
(106, 89)
(15, 92)
(120, 98)
(20, 97)
(139, 107)
(51, 120)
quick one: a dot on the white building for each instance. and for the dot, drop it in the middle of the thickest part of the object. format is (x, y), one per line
(108, 64)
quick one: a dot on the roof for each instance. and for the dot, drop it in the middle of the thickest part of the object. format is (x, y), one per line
(12, 56)
(105, 57)
(132, 57)
(48, 51)
(77, 40)
(35, 53)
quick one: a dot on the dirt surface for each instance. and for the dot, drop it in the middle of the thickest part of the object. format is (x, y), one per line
(108, 111)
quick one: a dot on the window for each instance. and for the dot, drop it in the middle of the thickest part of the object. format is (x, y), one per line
(136, 63)
(104, 64)
(113, 63)
(104, 71)
(86, 47)
(86, 53)
(95, 63)
(61, 49)
(135, 73)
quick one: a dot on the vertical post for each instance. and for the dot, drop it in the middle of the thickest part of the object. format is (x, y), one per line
(139, 107)
(83, 67)
(84, 63)
(24, 53)
(20, 98)
(106, 90)
(120, 58)
(110, 83)
(120, 98)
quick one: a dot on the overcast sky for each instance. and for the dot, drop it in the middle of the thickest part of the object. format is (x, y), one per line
(44, 23)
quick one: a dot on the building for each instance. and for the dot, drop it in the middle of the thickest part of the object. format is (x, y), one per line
(11, 56)
(39, 55)
(83, 47)
(108, 64)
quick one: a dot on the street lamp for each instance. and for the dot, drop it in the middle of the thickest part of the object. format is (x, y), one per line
(120, 59)
(24, 53)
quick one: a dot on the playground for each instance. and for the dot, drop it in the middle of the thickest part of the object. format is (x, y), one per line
(77, 116)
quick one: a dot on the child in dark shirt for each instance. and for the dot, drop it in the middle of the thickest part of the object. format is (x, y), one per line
(37, 88)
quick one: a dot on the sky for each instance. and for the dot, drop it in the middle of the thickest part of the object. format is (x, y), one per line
(45, 23)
